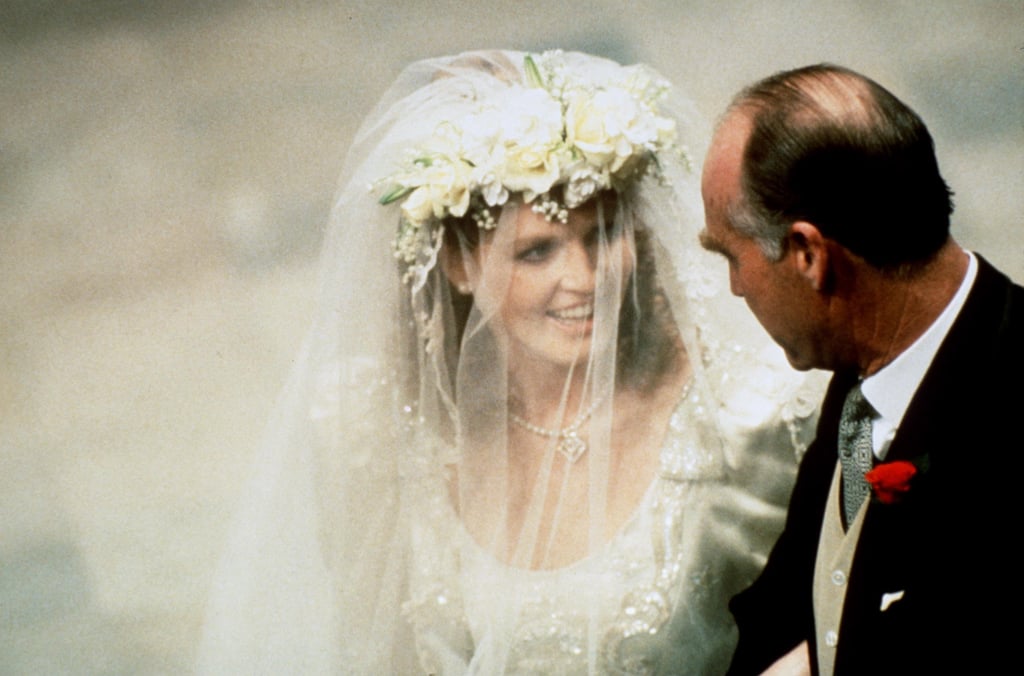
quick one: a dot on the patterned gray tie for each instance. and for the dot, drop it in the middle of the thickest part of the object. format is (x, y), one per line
(855, 452)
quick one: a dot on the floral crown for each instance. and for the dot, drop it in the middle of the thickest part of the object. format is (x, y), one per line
(556, 129)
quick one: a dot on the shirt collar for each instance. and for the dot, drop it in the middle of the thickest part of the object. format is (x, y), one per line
(890, 390)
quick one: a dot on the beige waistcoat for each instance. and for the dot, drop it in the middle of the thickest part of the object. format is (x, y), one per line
(831, 573)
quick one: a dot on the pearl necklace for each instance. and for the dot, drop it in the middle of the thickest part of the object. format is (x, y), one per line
(570, 445)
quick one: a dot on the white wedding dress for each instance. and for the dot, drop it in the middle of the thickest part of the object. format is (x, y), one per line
(654, 599)
(656, 596)
(349, 553)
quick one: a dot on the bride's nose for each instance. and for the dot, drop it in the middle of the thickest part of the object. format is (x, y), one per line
(579, 267)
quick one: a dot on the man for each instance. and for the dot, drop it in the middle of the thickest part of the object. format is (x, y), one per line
(822, 191)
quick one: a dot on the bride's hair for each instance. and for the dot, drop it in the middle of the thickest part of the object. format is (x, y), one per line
(649, 346)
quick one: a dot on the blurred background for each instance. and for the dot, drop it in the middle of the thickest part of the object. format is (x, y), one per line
(166, 168)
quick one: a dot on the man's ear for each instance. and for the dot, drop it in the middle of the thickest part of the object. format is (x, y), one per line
(810, 254)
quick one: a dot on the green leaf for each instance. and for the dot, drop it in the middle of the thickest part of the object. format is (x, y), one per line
(396, 193)
(532, 72)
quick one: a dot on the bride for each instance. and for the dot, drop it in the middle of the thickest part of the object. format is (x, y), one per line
(527, 433)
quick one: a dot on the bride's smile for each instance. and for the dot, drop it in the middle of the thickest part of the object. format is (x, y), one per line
(564, 280)
(579, 317)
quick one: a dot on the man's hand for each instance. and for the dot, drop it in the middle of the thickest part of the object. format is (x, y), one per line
(797, 662)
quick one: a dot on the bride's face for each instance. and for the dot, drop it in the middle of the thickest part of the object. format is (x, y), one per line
(556, 275)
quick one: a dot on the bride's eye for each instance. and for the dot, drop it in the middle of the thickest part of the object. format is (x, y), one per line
(536, 252)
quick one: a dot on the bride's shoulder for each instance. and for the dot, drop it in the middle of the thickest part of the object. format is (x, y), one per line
(760, 396)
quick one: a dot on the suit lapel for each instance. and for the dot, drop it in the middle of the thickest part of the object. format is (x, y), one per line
(960, 365)
(894, 536)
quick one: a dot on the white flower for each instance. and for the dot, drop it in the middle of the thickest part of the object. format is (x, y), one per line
(583, 184)
(491, 188)
(555, 128)
(612, 128)
(528, 117)
(442, 187)
(528, 140)
(531, 170)
(589, 127)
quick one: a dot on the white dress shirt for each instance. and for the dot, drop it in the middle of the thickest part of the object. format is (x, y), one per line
(890, 390)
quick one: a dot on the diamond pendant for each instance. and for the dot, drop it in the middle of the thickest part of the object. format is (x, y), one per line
(572, 447)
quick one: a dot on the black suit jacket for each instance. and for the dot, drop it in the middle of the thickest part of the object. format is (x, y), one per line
(950, 545)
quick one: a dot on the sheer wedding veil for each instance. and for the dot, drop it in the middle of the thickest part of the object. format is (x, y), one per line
(410, 401)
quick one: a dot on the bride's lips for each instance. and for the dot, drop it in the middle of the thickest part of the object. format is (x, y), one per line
(577, 317)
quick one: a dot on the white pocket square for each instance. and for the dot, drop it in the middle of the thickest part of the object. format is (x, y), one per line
(890, 598)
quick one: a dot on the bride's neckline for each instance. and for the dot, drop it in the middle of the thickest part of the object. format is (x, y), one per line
(611, 543)
(475, 549)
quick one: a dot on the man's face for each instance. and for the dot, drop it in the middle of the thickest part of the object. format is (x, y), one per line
(782, 299)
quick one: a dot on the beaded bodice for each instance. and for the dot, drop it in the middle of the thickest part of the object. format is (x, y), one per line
(641, 587)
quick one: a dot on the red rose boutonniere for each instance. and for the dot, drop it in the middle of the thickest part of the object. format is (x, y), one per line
(891, 480)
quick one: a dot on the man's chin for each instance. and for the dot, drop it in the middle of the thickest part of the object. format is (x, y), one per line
(798, 362)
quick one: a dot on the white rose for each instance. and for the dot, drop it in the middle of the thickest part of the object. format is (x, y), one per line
(441, 188)
(528, 117)
(531, 170)
(592, 127)
(611, 128)
(527, 142)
